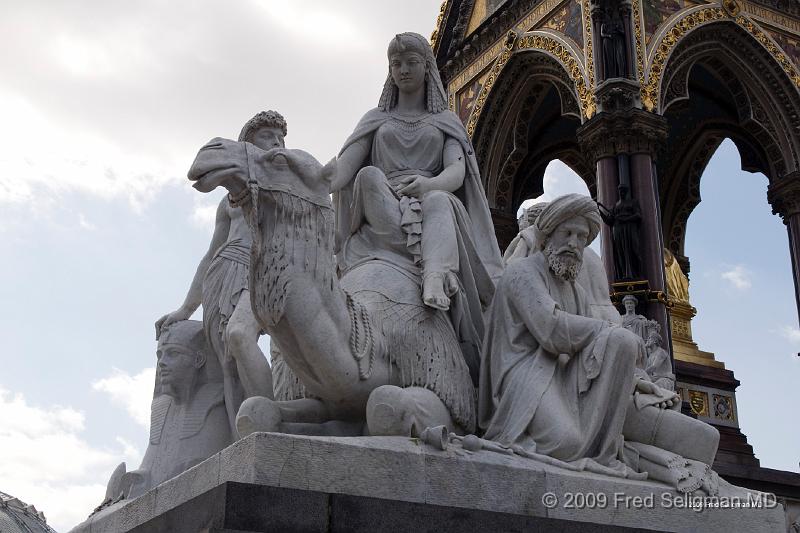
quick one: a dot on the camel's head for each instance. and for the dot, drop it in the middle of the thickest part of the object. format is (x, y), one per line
(221, 162)
(231, 164)
(293, 171)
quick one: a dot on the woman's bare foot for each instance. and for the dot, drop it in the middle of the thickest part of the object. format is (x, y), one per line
(437, 287)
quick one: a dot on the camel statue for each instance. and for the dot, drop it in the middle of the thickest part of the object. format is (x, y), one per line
(372, 357)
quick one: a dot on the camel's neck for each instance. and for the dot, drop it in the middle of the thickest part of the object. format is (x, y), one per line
(292, 254)
(295, 292)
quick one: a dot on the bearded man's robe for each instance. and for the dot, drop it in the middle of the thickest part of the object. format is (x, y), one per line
(555, 381)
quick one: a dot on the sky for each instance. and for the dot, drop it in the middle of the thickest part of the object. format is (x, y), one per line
(104, 106)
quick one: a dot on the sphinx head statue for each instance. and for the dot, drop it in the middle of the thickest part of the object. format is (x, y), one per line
(183, 360)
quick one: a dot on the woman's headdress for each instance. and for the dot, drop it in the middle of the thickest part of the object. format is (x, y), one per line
(435, 96)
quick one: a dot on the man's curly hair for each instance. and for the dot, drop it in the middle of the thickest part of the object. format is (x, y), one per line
(263, 119)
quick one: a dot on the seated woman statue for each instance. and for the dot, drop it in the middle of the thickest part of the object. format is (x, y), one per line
(408, 193)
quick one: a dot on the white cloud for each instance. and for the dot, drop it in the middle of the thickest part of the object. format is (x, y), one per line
(46, 463)
(72, 161)
(319, 22)
(738, 277)
(791, 334)
(558, 180)
(84, 223)
(80, 56)
(133, 393)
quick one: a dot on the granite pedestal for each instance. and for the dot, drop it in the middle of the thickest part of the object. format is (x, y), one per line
(278, 482)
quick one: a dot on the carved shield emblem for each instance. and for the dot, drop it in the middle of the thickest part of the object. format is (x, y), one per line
(698, 401)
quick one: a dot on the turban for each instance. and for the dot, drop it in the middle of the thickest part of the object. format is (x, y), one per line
(530, 214)
(565, 208)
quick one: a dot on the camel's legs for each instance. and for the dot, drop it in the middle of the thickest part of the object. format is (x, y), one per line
(262, 414)
(406, 411)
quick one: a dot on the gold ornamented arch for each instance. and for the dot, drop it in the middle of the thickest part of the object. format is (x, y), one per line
(650, 89)
(496, 69)
(553, 47)
(773, 49)
(581, 74)
(438, 29)
(651, 83)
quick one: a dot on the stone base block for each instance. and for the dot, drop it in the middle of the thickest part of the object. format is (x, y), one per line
(276, 482)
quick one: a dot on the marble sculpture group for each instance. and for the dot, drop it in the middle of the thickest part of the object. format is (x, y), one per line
(390, 310)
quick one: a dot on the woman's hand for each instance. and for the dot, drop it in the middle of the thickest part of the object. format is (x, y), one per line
(413, 185)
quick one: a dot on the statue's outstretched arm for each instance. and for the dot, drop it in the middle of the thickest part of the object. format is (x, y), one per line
(194, 297)
(350, 162)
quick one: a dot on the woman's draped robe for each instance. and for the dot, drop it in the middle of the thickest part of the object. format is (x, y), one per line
(401, 147)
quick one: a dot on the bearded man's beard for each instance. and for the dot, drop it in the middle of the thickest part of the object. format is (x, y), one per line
(564, 265)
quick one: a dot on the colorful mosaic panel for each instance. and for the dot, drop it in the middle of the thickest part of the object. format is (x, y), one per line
(567, 20)
(468, 96)
(478, 15)
(657, 11)
(790, 46)
(480, 10)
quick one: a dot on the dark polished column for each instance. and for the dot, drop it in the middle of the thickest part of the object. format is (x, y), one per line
(645, 190)
(784, 196)
(630, 38)
(607, 181)
(636, 134)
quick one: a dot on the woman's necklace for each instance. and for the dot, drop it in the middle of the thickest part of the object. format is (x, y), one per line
(408, 122)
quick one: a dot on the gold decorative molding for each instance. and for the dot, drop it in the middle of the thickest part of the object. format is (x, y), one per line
(560, 50)
(770, 17)
(637, 14)
(475, 69)
(526, 23)
(438, 29)
(773, 49)
(669, 41)
(650, 90)
(589, 52)
(683, 346)
(571, 64)
(500, 62)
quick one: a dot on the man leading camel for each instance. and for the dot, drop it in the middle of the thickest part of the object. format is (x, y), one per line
(221, 285)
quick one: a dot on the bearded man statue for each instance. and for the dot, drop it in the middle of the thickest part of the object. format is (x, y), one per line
(555, 381)
(561, 385)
